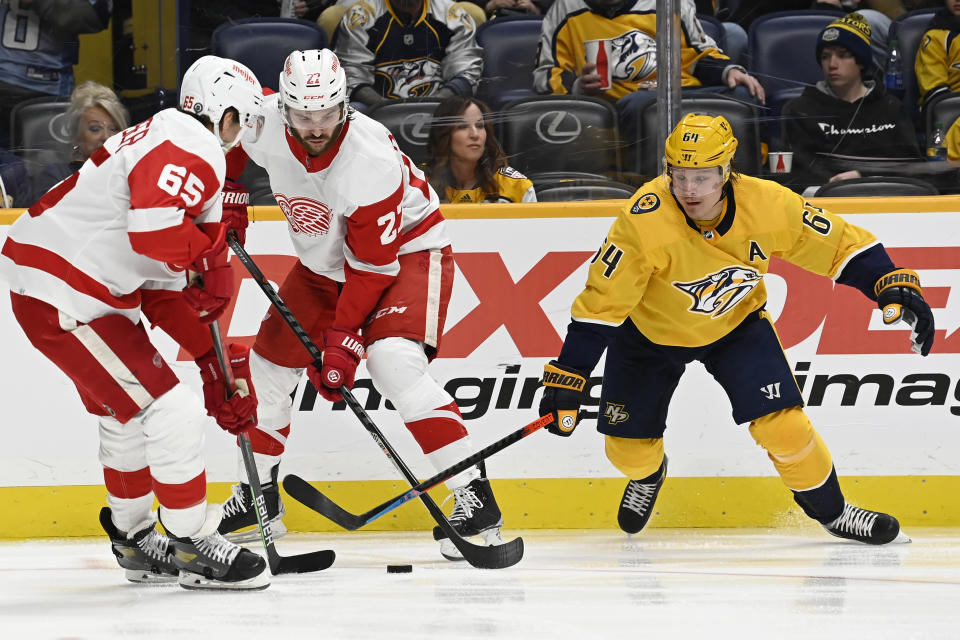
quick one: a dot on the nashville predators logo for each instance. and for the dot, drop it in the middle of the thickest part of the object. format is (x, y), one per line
(719, 292)
(633, 56)
(410, 78)
(615, 414)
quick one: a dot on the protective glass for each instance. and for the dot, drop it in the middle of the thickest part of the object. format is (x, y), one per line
(693, 183)
(309, 120)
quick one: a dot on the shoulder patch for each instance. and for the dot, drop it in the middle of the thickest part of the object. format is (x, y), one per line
(510, 172)
(645, 203)
(358, 15)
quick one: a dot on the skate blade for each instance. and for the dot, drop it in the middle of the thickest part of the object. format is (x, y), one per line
(143, 576)
(277, 529)
(901, 538)
(490, 537)
(198, 582)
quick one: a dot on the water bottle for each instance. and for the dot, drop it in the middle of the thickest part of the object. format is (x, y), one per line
(893, 79)
(935, 146)
(286, 8)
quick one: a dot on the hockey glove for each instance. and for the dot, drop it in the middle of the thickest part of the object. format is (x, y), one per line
(563, 394)
(900, 297)
(238, 414)
(236, 198)
(210, 279)
(342, 353)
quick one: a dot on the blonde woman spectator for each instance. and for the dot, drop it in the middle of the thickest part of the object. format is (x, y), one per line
(466, 162)
(95, 114)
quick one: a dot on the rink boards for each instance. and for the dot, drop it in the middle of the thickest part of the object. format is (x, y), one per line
(889, 417)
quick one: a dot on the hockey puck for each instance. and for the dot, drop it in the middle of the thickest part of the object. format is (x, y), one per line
(399, 568)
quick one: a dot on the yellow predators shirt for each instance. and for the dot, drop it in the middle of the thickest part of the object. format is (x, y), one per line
(938, 58)
(686, 286)
(512, 186)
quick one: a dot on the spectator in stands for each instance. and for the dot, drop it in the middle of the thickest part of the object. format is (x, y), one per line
(15, 189)
(95, 114)
(844, 114)
(937, 65)
(39, 48)
(879, 24)
(626, 32)
(393, 49)
(466, 162)
(952, 141)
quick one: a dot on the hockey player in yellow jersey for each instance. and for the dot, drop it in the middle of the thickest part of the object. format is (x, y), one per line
(680, 278)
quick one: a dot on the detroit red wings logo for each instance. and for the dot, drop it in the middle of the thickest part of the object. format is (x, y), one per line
(306, 217)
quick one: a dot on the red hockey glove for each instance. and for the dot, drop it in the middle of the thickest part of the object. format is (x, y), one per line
(900, 297)
(563, 394)
(236, 198)
(342, 353)
(238, 414)
(210, 280)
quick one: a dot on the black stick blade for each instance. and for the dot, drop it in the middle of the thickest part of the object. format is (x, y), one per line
(309, 496)
(304, 563)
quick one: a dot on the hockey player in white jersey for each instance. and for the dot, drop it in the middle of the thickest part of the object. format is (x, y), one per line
(118, 238)
(375, 272)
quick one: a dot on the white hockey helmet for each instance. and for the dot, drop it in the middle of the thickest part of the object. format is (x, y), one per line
(212, 85)
(312, 80)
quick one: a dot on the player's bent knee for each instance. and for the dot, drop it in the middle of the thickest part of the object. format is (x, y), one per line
(796, 449)
(636, 458)
(398, 368)
(173, 426)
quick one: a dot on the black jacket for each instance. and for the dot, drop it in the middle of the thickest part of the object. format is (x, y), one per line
(820, 123)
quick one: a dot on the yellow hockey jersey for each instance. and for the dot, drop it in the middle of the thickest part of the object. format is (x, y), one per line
(512, 186)
(629, 37)
(937, 65)
(686, 286)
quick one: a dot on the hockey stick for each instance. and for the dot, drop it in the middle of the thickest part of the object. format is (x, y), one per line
(311, 497)
(492, 557)
(302, 563)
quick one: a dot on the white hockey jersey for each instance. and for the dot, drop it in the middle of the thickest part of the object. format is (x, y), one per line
(352, 210)
(126, 220)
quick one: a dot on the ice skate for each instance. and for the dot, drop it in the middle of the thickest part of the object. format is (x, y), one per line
(207, 560)
(863, 525)
(239, 522)
(638, 499)
(144, 553)
(475, 513)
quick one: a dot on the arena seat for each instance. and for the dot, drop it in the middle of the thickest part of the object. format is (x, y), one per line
(264, 43)
(877, 186)
(908, 30)
(561, 133)
(743, 118)
(38, 132)
(146, 106)
(782, 48)
(509, 58)
(409, 122)
(577, 190)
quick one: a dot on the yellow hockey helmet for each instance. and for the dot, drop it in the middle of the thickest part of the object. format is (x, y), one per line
(699, 141)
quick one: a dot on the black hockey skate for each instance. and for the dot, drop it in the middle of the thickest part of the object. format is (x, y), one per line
(144, 553)
(863, 525)
(207, 560)
(638, 499)
(475, 513)
(239, 522)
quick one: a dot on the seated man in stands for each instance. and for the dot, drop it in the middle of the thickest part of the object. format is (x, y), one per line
(623, 34)
(937, 65)
(393, 49)
(844, 114)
